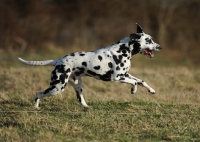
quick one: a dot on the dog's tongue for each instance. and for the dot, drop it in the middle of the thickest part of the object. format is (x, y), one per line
(149, 53)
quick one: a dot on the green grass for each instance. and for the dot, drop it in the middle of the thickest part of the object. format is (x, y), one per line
(104, 121)
(172, 114)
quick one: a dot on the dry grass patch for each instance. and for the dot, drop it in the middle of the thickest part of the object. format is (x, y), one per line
(114, 114)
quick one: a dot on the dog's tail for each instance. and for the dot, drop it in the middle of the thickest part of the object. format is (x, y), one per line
(38, 63)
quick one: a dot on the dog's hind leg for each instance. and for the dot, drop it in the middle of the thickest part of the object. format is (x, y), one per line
(79, 91)
(59, 79)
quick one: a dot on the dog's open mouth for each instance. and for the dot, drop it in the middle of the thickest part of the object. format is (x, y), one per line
(149, 53)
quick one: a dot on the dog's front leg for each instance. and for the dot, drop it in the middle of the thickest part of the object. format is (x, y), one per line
(142, 83)
(134, 88)
(127, 78)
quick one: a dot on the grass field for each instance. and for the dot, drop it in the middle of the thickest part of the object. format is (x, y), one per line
(172, 114)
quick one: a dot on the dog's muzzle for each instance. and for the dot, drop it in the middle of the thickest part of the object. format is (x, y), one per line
(150, 53)
(158, 47)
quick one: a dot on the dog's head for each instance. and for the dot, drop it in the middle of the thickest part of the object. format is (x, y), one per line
(143, 43)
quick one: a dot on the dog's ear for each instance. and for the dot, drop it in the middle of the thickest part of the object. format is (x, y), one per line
(134, 36)
(139, 29)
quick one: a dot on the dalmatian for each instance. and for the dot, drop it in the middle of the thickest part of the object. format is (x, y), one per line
(111, 63)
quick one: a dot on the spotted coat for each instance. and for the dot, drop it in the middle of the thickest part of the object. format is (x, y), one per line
(108, 64)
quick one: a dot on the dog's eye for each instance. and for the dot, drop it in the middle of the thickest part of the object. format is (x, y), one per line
(149, 41)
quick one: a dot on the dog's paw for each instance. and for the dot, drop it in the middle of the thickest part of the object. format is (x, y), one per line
(37, 108)
(84, 104)
(134, 89)
(152, 91)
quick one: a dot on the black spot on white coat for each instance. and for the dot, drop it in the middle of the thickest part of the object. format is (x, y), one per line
(84, 64)
(97, 67)
(100, 58)
(110, 65)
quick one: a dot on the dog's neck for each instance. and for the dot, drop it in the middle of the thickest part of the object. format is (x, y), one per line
(132, 44)
(136, 47)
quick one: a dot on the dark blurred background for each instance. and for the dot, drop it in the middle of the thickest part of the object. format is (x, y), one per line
(91, 24)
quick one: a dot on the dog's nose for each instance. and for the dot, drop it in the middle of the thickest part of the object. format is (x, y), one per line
(159, 47)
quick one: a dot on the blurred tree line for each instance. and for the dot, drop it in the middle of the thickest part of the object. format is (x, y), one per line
(35, 24)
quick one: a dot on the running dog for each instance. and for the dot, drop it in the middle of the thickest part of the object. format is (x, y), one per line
(111, 63)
